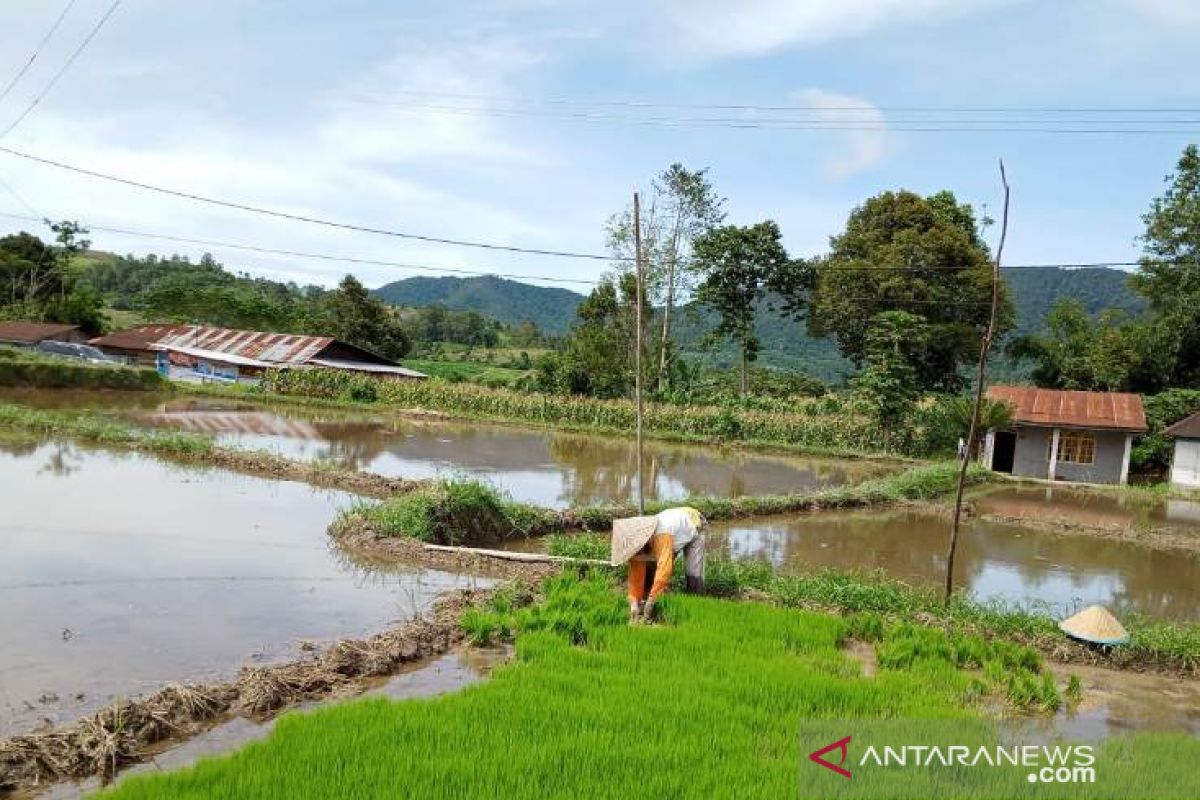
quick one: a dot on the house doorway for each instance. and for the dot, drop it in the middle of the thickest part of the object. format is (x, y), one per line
(1004, 449)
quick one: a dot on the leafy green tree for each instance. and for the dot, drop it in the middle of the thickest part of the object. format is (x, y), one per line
(736, 265)
(1169, 272)
(888, 383)
(681, 206)
(599, 355)
(1152, 452)
(1111, 353)
(356, 316)
(921, 255)
(953, 414)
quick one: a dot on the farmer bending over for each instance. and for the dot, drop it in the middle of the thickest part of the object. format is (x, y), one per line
(640, 540)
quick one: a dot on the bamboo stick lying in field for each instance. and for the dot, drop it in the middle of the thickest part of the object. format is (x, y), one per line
(511, 555)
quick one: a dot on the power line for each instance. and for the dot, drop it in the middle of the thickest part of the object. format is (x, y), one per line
(300, 217)
(37, 51)
(316, 256)
(253, 248)
(912, 126)
(63, 70)
(883, 125)
(777, 108)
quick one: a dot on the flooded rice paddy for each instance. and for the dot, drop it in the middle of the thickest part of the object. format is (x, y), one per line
(995, 561)
(538, 466)
(122, 573)
(1078, 506)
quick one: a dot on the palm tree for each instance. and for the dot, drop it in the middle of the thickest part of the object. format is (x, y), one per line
(993, 414)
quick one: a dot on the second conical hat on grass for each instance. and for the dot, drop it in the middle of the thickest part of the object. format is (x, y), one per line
(1095, 624)
(630, 535)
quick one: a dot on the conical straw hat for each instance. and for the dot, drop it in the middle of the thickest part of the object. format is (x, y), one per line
(630, 535)
(1094, 624)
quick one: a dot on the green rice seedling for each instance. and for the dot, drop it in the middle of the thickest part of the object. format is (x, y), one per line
(481, 627)
(1074, 691)
(865, 626)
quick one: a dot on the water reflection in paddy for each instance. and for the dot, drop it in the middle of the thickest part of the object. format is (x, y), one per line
(121, 573)
(995, 560)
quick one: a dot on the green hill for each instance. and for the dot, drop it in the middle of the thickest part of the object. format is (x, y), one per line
(510, 302)
(785, 343)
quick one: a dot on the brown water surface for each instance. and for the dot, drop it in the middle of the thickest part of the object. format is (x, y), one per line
(121, 573)
(995, 561)
(535, 465)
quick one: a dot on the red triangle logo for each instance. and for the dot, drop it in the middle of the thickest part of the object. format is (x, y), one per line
(840, 745)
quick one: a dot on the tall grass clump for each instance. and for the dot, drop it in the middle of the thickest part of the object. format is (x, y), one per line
(722, 700)
(452, 511)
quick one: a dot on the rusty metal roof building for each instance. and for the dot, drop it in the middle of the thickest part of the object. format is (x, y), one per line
(33, 332)
(1053, 408)
(139, 337)
(1186, 428)
(253, 348)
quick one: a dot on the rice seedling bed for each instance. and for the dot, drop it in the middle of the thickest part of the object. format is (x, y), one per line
(723, 700)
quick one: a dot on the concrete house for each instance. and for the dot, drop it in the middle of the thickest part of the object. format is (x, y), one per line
(1065, 436)
(1185, 463)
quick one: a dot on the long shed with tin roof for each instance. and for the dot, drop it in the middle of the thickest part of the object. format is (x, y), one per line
(237, 352)
(1065, 435)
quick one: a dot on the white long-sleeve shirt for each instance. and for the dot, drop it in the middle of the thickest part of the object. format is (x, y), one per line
(684, 523)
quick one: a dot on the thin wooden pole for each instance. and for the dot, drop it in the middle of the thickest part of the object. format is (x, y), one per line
(637, 377)
(984, 346)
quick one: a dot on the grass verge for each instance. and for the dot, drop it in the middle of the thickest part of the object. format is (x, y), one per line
(722, 700)
(471, 512)
(26, 369)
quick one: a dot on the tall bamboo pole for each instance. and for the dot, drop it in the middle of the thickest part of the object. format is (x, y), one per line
(984, 346)
(637, 376)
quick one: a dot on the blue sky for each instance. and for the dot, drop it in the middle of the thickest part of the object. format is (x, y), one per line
(324, 109)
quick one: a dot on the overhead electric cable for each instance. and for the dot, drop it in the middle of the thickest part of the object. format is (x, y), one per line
(63, 70)
(36, 51)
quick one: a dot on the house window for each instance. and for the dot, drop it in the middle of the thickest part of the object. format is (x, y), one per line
(1074, 447)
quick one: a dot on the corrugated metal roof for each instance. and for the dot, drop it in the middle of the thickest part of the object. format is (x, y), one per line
(1186, 428)
(32, 332)
(1052, 407)
(137, 338)
(340, 363)
(254, 347)
(275, 348)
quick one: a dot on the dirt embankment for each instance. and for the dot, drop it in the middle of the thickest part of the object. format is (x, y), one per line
(269, 465)
(357, 537)
(126, 731)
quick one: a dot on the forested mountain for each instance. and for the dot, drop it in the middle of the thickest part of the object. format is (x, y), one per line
(510, 302)
(785, 343)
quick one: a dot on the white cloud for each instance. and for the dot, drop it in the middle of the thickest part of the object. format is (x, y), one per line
(410, 169)
(754, 27)
(854, 151)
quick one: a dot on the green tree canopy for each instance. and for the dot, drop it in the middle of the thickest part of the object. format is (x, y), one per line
(736, 265)
(1169, 272)
(921, 255)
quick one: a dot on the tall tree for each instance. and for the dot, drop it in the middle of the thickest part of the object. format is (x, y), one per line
(922, 255)
(888, 382)
(682, 205)
(1169, 272)
(737, 264)
(354, 315)
(1111, 353)
(598, 357)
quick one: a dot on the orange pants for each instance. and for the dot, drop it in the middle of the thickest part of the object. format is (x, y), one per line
(662, 547)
